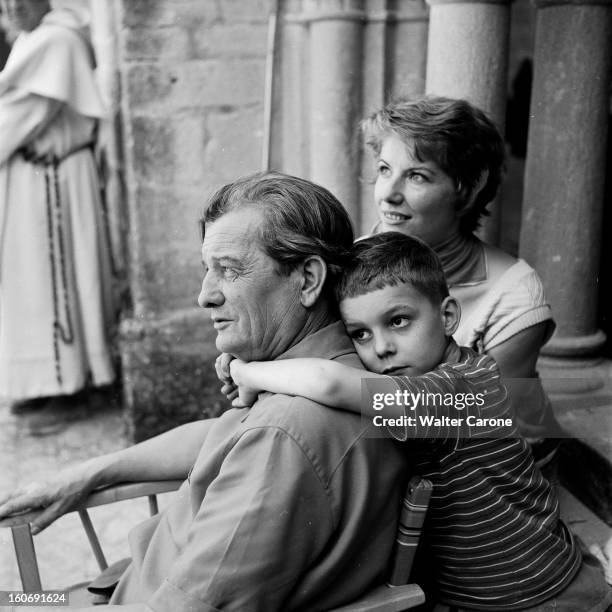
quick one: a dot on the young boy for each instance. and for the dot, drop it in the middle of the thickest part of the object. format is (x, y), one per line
(492, 529)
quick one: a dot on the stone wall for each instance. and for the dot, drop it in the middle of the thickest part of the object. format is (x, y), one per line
(192, 74)
(192, 107)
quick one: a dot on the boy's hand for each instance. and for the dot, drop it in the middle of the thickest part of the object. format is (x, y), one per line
(247, 394)
(222, 367)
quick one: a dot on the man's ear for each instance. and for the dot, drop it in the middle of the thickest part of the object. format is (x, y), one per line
(470, 197)
(450, 311)
(314, 273)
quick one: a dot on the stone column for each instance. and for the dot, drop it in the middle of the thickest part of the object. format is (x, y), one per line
(468, 58)
(292, 106)
(565, 173)
(192, 75)
(335, 51)
(105, 42)
(407, 52)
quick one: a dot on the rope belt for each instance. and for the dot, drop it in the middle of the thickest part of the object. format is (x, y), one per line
(57, 250)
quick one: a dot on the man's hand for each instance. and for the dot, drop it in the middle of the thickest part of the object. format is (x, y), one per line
(58, 495)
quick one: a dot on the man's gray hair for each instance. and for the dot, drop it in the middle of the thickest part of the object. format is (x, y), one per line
(301, 219)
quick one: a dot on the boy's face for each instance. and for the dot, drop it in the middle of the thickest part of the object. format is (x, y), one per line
(397, 330)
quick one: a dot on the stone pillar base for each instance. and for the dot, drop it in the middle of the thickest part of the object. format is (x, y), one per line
(574, 346)
(582, 402)
(168, 372)
(573, 376)
(576, 459)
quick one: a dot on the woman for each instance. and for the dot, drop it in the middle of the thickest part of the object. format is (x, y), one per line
(439, 164)
(55, 300)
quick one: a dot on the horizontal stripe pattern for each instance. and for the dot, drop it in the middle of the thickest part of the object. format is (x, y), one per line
(493, 523)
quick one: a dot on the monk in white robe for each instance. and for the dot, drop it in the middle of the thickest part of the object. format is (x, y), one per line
(55, 294)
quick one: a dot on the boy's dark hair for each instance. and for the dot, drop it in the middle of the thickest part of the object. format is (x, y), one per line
(390, 259)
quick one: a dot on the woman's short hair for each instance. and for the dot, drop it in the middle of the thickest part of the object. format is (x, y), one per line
(301, 219)
(390, 259)
(454, 134)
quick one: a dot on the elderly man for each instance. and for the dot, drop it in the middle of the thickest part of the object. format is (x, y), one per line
(288, 505)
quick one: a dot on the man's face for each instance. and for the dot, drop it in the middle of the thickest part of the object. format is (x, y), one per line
(253, 307)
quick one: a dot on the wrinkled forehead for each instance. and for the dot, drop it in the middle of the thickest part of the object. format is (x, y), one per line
(235, 234)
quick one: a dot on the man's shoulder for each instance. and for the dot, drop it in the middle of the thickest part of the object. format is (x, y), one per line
(304, 419)
(299, 415)
(327, 437)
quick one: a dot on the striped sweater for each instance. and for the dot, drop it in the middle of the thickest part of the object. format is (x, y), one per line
(493, 527)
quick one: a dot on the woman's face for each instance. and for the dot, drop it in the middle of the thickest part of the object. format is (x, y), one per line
(413, 197)
(25, 15)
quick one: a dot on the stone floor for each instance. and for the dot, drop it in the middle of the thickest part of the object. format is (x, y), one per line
(582, 398)
(582, 401)
(63, 550)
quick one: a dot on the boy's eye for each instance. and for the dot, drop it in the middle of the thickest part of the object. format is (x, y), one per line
(360, 335)
(400, 321)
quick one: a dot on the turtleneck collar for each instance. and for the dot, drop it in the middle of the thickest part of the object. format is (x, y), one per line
(463, 259)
